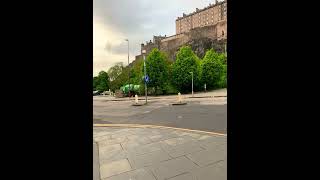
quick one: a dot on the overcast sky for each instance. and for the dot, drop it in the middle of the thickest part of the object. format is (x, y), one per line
(136, 20)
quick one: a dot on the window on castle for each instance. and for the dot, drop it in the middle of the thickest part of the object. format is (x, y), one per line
(222, 33)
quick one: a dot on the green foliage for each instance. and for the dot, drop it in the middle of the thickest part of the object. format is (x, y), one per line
(157, 67)
(95, 82)
(115, 71)
(170, 89)
(121, 80)
(101, 82)
(213, 70)
(165, 76)
(186, 62)
(136, 73)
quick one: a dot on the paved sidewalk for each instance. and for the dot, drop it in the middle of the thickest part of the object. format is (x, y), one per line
(208, 94)
(96, 168)
(160, 154)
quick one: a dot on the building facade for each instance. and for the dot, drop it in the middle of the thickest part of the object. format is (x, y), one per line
(207, 16)
(207, 25)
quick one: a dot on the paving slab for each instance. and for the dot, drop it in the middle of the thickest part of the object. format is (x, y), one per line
(143, 149)
(138, 161)
(163, 136)
(178, 140)
(96, 171)
(184, 176)
(106, 149)
(173, 167)
(102, 138)
(113, 156)
(182, 149)
(138, 174)
(217, 171)
(214, 145)
(135, 141)
(159, 154)
(114, 168)
(206, 157)
(109, 142)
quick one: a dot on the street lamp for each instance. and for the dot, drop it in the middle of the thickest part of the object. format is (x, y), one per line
(192, 82)
(129, 69)
(145, 75)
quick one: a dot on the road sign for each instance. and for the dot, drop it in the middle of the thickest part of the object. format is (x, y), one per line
(147, 78)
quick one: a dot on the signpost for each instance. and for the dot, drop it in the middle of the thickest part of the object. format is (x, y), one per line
(145, 75)
(146, 78)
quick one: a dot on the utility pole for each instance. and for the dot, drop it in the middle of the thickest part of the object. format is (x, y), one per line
(129, 69)
(192, 82)
(145, 75)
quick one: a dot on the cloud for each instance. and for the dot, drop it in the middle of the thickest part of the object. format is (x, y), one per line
(136, 20)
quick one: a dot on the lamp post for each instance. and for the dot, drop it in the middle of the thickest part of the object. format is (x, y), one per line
(129, 69)
(145, 75)
(192, 82)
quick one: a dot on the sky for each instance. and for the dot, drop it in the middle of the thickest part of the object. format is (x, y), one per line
(136, 20)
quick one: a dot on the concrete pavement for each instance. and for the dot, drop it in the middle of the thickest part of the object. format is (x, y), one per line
(159, 154)
(96, 168)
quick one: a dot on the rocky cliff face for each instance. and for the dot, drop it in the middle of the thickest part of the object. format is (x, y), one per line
(200, 46)
(200, 39)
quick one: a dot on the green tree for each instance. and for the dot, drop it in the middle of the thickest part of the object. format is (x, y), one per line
(157, 67)
(120, 80)
(103, 81)
(95, 82)
(186, 62)
(213, 70)
(136, 73)
(116, 74)
(115, 71)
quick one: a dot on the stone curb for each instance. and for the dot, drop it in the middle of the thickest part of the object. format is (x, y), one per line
(159, 127)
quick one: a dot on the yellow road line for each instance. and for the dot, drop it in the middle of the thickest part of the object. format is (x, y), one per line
(154, 126)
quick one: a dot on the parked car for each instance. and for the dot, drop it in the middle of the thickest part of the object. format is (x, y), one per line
(96, 93)
(106, 93)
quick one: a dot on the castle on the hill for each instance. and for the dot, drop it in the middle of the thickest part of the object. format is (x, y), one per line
(202, 29)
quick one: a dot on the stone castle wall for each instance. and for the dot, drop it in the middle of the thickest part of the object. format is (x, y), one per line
(200, 38)
(207, 36)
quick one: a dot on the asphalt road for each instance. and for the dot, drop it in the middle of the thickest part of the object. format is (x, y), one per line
(191, 116)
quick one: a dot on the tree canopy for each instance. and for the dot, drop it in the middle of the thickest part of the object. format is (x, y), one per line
(186, 62)
(101, 82)
(213, 70)
(157, 67)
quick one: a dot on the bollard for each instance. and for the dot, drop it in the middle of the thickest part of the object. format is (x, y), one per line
(179, 100)
(136, 99)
